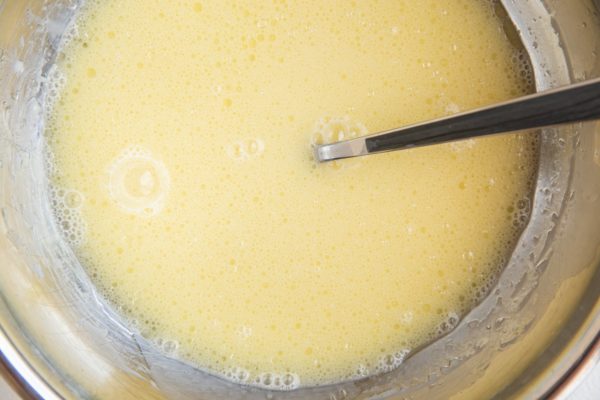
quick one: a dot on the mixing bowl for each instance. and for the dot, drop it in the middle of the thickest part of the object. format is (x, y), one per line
(532, 336)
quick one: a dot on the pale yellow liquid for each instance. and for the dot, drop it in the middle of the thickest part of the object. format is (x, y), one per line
(183, 177)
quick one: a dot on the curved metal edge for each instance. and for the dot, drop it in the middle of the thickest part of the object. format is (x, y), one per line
(14, 383)
(578, 372)
(26, 380)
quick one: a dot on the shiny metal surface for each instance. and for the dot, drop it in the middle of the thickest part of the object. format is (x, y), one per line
(17, 370)
(577, 102)
(11, 385)
(581, 372)
(542, 318)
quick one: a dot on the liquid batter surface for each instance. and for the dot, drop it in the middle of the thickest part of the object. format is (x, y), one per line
(182, 175)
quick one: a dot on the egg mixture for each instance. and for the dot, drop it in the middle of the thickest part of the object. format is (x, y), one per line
(181, 170)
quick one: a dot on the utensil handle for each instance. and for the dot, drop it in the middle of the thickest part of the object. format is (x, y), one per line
(573, 103)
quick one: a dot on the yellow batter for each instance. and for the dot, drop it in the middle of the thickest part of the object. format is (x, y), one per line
(182, 175)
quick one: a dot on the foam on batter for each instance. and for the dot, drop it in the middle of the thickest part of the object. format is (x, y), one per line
(179, 152)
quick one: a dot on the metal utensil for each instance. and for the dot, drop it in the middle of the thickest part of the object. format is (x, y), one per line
(572, 103)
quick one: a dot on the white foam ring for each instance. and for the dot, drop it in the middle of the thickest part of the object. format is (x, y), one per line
(137, 182)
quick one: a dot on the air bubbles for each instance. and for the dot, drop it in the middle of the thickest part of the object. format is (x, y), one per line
(245, 150)
(54, 85)
(448, 324)
(237, 374)
(407, 318)
(390, 362)
(484, 288)
(462, 145)
(523, 70)
(452, 108)
(55, 79)
(49, 163)
(138, 183)
(521, 212)
(169, 347)
(244, 332)
(70, 34)
(73, 199)
(275, 381)
(361, 371)
(334, 129)
(66, 205)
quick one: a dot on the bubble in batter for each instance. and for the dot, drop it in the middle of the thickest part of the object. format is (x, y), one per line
(244, 150)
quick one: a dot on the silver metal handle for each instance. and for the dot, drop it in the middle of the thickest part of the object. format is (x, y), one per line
(572, 103)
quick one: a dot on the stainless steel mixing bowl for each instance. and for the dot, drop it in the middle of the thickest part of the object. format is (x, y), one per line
(540, 322)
